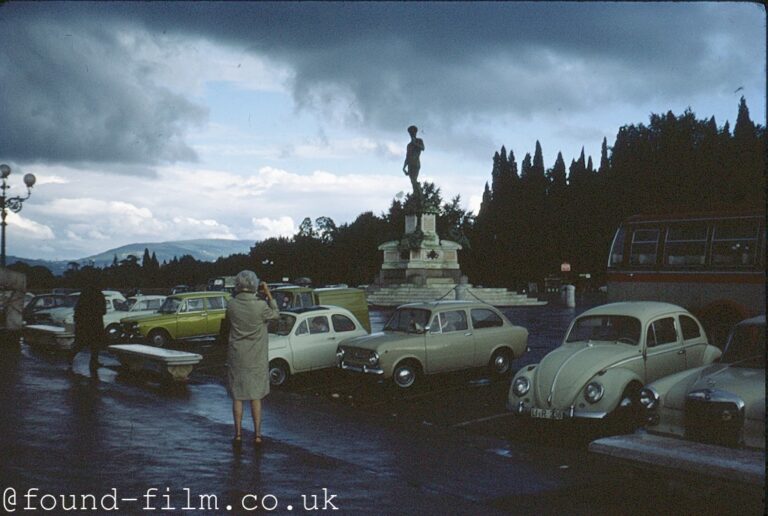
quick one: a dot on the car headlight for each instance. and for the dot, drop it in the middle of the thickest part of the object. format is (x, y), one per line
(520, 386)
(649, 399)
(373, 359)
(594, 392)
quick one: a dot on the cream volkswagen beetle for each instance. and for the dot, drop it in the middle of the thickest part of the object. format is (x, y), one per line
(608, 354)
(305, 339)
(722, 403)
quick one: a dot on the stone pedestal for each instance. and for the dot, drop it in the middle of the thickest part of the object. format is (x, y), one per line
(420, 257)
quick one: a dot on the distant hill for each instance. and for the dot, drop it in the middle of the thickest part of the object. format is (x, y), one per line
(207, 250)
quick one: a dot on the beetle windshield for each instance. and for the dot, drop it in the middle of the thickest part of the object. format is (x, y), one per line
(281, 326)
(746, 346)
(408, 320)
(170, 305)
(605, 328)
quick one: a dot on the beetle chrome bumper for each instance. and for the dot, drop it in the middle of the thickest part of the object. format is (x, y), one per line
(521, 409)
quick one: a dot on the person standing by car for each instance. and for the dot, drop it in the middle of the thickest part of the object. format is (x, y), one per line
(89, 324)
(247, 349)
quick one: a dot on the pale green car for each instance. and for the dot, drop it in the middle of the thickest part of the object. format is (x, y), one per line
(608, 354)
(186, 316)
(428, 338)
(722, 403)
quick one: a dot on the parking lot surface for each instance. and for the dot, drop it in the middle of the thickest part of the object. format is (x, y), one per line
(332, 443)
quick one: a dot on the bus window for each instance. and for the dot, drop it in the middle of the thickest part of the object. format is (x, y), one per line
(644, 247)
(617, 249)
(685, 245)
(734, 244)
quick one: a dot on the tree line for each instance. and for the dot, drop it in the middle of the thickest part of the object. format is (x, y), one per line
(530, 221)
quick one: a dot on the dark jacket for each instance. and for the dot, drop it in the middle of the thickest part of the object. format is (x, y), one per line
(89, 316)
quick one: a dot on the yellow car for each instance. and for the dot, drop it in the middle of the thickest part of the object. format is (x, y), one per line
(187, 316)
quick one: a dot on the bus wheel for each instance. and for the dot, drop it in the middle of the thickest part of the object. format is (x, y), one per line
(718, 319)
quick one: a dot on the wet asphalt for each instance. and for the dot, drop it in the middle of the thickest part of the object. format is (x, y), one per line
(130, 442)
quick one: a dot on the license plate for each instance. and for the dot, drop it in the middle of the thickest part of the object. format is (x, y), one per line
(547, 413)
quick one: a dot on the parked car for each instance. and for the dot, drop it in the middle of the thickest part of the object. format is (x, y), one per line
(186, 316)
(134, 306)
(353, 299)
(65, 315)
(45, 302)
(427, 338)
(721, 403)
(608, 354)
(306, 339)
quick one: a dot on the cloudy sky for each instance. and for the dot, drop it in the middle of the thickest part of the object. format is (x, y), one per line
(148, 122)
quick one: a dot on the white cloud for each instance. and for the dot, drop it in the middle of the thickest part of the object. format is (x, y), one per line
(188, 227)
(50, 180)
(267, 228)
(29, 229)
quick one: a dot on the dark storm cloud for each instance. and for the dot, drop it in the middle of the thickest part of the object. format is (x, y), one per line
(442, 63)
(71, 93)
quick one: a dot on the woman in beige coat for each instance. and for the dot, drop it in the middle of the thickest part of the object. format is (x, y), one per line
(248, 349)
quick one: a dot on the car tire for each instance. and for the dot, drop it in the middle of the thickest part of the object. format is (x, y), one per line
(405, 374)
(278, 373)
(159, 338)
(625, 419)
(500, 363)
(113, 332)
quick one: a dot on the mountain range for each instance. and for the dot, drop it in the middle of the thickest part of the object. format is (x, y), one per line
(208, 250)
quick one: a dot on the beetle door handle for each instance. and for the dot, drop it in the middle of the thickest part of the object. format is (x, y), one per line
(468, 334)
(681, 352)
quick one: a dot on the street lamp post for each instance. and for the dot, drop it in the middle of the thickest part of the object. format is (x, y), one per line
(11, 203)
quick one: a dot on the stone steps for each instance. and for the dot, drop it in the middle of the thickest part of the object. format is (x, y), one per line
(395, 295)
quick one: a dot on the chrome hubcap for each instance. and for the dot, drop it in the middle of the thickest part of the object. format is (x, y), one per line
(501, 363)
(276, 376)
(404, 377)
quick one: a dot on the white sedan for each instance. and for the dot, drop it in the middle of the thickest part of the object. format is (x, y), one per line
(305, 339)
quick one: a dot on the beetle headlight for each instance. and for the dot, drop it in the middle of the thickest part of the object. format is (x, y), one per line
(373, 359)
(520, 386)
(594, 392)
(649, 399)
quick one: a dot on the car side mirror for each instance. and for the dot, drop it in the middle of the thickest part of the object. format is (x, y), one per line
(419, 328)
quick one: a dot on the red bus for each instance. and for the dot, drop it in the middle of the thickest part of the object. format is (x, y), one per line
(713, 264)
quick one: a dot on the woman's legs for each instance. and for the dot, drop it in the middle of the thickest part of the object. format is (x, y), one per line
(237, 414)
(256, 415)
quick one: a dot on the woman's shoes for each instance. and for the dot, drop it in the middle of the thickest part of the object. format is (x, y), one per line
(237, 440)
(257, 441)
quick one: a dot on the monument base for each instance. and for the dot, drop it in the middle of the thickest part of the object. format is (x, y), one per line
(420, 256)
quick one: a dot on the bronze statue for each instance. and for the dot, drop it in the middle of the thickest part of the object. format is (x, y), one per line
(412, 163)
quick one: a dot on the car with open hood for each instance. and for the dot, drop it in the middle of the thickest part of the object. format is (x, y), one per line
(428, 338)
(721, 403)
(608, 353)
(305, 339)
